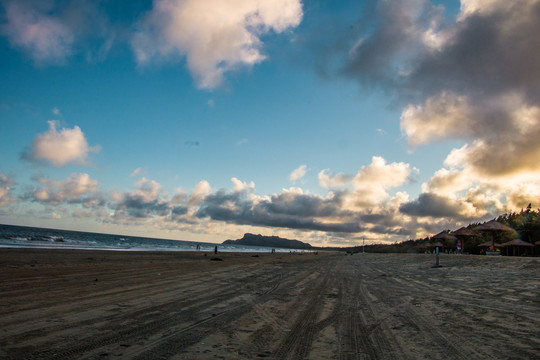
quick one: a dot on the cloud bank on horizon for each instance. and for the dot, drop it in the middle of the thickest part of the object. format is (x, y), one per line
(472, 77)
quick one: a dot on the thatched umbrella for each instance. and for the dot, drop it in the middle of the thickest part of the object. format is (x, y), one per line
(462, 234)
(438, 244)
(492, 227)
(425, 246)
(444, 236)
(516, 243)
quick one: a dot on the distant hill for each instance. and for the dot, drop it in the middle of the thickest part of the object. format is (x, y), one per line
(269, 241)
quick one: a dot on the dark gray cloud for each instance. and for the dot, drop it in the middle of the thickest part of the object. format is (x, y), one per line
(386, 219)
(381, 229)
(435, 206)
(387, 42)
(488, 51)
(487, 57)
(490, 54)
(286, 210)
(138, 207)
(179, 210)
(303, 204)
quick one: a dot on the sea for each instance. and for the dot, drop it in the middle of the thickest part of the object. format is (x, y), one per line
(40, 238)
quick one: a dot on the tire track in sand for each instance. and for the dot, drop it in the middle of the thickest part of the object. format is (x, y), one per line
(297, 343)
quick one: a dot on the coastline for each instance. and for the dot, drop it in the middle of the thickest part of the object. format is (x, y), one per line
(109, 304)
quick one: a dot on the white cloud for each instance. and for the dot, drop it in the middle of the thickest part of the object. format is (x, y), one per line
(60, 148)
(242, 186)
(46, 38)
(473, 78)
(135, 172)
(381, 173)
(474, 93)
(445, 116)
(202, 189)
(78, 184)
(77, 188)
(52, 31)
(298, 173)
(147, 201)
(486, 7)
(5, 189)
(242, 142)
(179, 197)
(370, 184)
(373, 180)
(330, 181)
(215, 36)
(510, 147)
(505, 129)
(466, 192)
(147, 189)
(523, 194)
(447, 182)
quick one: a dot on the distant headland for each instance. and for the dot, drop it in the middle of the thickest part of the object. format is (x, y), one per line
(268, 241)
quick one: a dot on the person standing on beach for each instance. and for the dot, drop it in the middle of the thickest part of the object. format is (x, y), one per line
(215, 250)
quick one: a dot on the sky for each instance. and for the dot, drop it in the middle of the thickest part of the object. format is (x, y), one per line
(329, 122)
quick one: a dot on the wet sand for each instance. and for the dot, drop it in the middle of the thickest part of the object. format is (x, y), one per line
(58, 304)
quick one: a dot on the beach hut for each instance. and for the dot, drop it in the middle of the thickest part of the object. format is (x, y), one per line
(462, 234)
(517, 244)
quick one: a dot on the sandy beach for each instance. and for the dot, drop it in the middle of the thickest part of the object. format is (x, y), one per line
(63, 304)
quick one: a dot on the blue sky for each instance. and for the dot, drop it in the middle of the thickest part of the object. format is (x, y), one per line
(328, 122)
